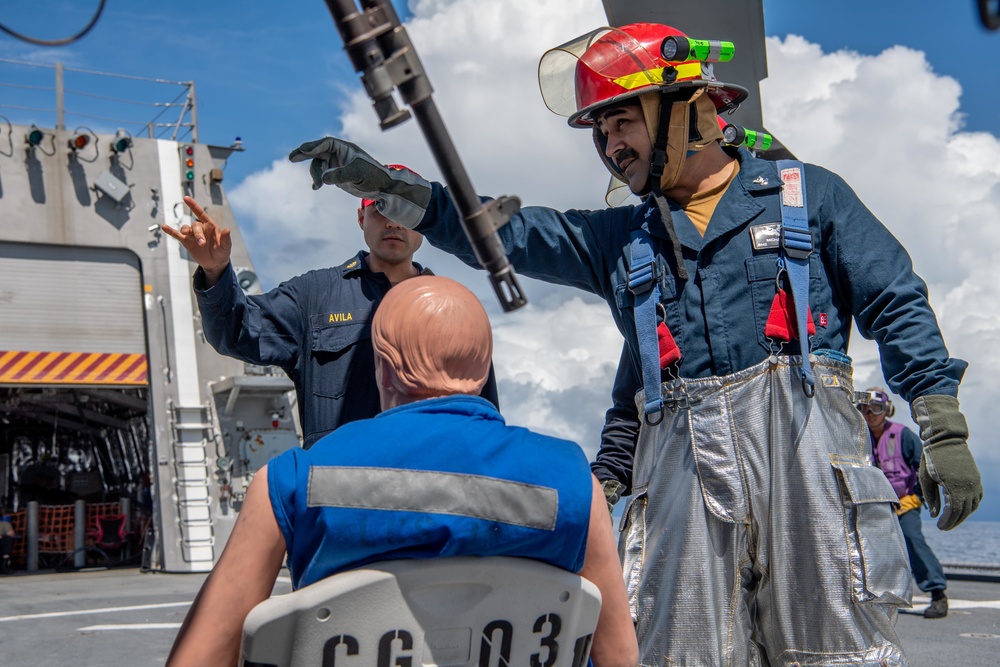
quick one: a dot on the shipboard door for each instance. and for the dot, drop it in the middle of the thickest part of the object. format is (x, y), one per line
(71, 315)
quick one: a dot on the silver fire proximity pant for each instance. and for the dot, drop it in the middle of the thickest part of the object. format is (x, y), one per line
(759, 533)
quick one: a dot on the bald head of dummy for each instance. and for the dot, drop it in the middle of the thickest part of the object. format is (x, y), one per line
(431, 338)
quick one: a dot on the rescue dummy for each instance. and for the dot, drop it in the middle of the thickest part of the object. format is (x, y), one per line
(757, 532)
(426, 478)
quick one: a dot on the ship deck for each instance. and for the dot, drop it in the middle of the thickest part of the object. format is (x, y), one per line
(124, 618)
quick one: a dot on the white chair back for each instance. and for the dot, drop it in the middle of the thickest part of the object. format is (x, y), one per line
(447, 612)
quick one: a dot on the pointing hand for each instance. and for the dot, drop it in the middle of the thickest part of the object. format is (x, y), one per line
(207, 243)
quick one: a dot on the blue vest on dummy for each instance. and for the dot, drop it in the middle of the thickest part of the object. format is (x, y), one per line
(889, 456)
(436, 478)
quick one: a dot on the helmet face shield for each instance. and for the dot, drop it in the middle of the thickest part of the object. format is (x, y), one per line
(556, 72)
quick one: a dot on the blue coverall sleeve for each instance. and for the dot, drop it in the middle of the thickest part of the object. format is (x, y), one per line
(912, 448)
(888, 300)
(262, 329)
(566, 248)
(621, 427)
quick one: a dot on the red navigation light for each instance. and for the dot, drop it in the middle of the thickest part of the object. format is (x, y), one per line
(79, 140)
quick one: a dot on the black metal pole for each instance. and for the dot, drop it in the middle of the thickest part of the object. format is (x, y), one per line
(381, 51)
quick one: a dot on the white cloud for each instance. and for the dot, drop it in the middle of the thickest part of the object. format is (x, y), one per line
(481, 57)
(555, 366)
(887, 123)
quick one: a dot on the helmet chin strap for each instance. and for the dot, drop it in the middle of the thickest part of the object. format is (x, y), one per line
(670, 146)
(666, 162)
(683, 127)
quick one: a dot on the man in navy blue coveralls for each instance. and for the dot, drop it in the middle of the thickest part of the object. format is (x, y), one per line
(751, 495)
(316, 326)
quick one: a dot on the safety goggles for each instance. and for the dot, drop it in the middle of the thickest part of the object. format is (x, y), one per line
(873, 408)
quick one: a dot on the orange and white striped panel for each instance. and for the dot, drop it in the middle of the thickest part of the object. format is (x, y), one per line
(112, 368)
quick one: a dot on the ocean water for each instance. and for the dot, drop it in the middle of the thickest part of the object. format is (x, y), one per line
(971, 542)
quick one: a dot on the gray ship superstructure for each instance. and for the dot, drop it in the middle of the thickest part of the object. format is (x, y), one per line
(108, 390)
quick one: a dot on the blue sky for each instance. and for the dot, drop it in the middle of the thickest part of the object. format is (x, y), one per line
(899, 97)
(273, 76)
(951, 35)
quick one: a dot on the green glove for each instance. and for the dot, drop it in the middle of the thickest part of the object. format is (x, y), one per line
(399, 194)
(612, 492)
(947, 461)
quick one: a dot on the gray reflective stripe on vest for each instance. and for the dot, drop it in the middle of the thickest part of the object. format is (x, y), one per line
(475, 496)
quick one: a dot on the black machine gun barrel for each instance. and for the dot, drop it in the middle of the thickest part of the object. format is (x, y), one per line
(381, 51)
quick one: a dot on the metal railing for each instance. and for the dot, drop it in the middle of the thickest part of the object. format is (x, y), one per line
(972, 571)
(173, 117)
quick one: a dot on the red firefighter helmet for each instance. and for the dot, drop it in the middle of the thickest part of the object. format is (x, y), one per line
(609, 65)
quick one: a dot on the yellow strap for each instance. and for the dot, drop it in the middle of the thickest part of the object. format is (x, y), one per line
(646, 77)
(907, 503)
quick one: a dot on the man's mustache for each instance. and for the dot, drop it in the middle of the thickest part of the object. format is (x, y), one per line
(626, 154)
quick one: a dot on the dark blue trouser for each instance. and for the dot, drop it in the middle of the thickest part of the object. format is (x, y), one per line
(923, 563)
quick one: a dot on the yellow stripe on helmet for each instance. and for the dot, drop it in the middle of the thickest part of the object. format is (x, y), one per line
(685, 71)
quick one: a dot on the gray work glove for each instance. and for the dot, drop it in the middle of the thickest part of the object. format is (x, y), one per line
(399, 194)
(947, 461)
(612, 492)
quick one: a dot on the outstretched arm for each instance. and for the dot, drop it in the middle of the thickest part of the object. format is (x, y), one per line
(614, 640)
(207, 243)
(243, 577)
(574, 248)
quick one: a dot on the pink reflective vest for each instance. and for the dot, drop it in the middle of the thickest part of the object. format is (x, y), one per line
(889, 457)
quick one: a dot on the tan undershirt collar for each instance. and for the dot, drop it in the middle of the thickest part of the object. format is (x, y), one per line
(700, 206)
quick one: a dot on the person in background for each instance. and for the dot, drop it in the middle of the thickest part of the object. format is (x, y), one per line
(315, 326)
(896, 451)
(438, 473)
(7, 536)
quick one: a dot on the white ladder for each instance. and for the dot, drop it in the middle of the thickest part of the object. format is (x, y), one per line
(192, 429)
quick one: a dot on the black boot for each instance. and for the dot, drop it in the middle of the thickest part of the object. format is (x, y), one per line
(938, 607)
